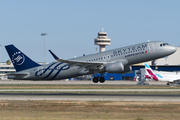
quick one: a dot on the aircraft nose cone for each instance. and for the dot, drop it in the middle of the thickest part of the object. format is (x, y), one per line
(172, 49)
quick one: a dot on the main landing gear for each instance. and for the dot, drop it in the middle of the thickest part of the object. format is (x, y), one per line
(100, 79)
(173, 83)
(168, 83)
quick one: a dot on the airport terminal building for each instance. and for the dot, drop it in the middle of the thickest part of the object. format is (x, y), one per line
(4, 69)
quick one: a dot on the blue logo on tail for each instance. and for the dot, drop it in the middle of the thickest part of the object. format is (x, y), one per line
(18, 58)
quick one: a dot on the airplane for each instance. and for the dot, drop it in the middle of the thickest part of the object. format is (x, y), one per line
(170, 77)
(112, 61)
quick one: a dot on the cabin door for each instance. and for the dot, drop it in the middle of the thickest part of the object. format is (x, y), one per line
(151, 47)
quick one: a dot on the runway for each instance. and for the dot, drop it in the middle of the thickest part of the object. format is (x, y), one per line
(90, 97)
(89, 90)
(73, 82)
(19, 94)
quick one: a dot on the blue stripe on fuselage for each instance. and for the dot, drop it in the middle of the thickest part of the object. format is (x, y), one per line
(48, 67)
(60, 71)
(52, 70)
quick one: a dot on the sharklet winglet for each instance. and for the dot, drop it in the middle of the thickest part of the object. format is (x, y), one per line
(55, 57)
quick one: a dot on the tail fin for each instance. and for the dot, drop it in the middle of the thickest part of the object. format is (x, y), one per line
(150, 73)
(19, 59)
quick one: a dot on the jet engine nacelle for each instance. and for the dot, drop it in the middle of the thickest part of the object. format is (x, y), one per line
(127, 68)
(117, 67)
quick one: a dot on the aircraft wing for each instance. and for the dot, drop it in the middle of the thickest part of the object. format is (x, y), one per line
(90, 65)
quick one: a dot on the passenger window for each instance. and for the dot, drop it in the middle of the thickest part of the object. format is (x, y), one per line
(164, 44)
(161, 45)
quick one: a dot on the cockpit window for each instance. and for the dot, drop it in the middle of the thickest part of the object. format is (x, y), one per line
(164, 44)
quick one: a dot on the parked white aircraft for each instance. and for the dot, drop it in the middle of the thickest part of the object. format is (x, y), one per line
(112, 61)
(170, 77)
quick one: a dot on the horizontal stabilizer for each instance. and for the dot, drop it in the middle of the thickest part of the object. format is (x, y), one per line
(17, 75)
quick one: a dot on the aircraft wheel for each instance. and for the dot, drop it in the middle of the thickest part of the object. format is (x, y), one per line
(101, 80)
(95, 80)
(168, 83)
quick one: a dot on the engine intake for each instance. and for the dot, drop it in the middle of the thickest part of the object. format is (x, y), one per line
(117, 67)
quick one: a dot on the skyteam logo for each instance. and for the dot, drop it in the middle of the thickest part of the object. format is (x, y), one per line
(51, 71)
(18, 58)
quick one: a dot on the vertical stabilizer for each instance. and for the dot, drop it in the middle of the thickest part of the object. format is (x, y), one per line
(19, 59)
(149, 73)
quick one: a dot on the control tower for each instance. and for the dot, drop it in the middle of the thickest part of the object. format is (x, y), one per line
(102, 40)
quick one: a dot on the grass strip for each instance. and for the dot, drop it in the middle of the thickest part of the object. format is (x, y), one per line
(88, 110)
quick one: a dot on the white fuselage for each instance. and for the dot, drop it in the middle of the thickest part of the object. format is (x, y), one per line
(167, 76)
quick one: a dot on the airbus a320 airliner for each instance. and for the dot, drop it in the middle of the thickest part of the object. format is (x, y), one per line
(112, 61)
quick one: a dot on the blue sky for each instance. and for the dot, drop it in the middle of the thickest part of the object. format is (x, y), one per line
(73, 24)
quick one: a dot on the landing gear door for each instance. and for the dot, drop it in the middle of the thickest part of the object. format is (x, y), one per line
(151, 47)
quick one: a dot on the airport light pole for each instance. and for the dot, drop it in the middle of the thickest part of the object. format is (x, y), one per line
(0, 53)
(44, 34)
